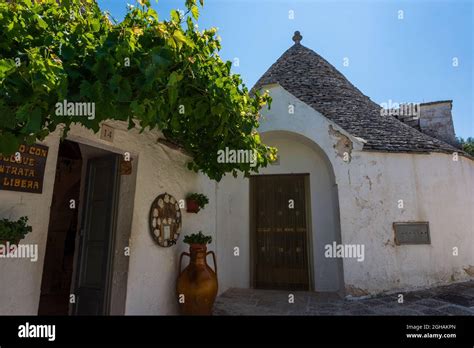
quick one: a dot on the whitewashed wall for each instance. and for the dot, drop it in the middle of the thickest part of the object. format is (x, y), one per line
(20, 279)
(152, 269)
(434, 188)
(296, 156)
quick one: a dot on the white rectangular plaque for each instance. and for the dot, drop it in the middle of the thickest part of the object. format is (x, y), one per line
(166, 232)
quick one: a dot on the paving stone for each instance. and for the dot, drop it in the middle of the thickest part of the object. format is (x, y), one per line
(458, 299)
(426, 293)
(444, 300)
(397, 311)
(412, 297)
(391, 305)
(326, 306)
(282, 303)
(432, 303)
(373, 302)
(468, 291)
(363, 311)
(456, 310)
(298, 313)
(324, 298)
(388, 299)
(415, 307)
(431, 311)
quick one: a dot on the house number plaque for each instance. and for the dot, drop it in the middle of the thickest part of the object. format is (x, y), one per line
(165, 220)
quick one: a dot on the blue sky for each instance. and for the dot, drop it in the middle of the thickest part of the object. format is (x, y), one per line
(403, 60)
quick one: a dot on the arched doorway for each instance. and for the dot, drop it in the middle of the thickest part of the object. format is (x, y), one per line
(294, 215)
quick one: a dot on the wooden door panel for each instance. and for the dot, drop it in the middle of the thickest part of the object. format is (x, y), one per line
(280, 235)
(97, 236)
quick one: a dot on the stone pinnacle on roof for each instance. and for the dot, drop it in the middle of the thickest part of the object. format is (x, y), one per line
(313, 80)
(297, 37)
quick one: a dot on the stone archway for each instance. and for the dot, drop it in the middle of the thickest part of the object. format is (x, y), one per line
(299, 154)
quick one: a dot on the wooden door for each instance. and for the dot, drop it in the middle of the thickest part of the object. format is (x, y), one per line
(93, 275)
(280, 234)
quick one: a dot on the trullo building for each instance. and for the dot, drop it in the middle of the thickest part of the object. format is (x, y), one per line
(360, 201)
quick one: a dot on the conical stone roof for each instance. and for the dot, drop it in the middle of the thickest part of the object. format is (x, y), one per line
(314, 81)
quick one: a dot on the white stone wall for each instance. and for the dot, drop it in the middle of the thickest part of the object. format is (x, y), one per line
(436, 120)
(152, 269)
(433, 187)
(20, 279)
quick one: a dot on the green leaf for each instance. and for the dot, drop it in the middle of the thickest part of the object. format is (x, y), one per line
(34, 122)
(23, 112)
(174, 14)
(179, 36)
(172, 95)
(175, 121)
(95, 24)
(8, 143)
(174, 78)
(180, 39)
(5, 66)
(195, 11)
(162, 58)
(190, 3)
(218, 109)
(67, 52)
(7, 120)
(85, 89)
(125, 91)
(171, 42)
(41, 23)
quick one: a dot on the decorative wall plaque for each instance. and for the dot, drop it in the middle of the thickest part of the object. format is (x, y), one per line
(411, 233)
(165, 220)
(24, 170)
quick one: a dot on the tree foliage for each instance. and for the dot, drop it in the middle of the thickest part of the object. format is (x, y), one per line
(154, 74)
(14, 230)
(467, 145)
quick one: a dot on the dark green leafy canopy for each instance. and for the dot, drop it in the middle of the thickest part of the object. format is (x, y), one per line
(151, 73)
(14, 231)
(467, 145)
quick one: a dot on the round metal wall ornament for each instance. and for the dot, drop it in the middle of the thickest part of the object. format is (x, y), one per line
(165, 220)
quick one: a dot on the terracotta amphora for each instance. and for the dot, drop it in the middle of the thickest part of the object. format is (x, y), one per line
(197, 284)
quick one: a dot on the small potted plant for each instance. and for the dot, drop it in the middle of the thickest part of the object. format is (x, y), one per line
(197, 283)
(11, 232)
(197, 239)
(195, 202)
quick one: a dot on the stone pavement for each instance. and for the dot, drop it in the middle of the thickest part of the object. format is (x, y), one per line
(454, 299)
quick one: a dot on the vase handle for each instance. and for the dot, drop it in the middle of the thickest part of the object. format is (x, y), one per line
(214, 259)
(181, 259)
